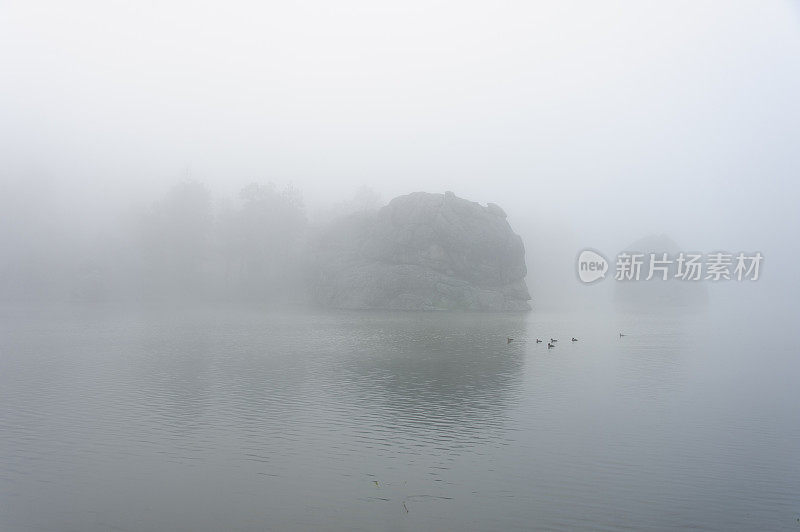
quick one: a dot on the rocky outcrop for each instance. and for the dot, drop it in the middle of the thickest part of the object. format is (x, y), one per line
(423, 252)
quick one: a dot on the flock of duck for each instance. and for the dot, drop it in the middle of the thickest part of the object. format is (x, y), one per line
(552, 342)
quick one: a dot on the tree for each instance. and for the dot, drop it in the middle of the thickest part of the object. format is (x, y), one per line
(263, 235)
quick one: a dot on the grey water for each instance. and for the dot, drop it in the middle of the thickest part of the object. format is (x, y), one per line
(244, 419)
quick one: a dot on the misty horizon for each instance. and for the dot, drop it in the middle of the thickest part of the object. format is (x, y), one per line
(376, 265)
(678, 138)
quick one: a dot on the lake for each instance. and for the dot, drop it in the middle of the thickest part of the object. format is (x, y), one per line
(245, 419)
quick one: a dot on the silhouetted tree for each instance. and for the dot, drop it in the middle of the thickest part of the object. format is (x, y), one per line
(260, 238)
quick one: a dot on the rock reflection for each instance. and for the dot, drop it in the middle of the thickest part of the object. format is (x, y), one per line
(444, 379)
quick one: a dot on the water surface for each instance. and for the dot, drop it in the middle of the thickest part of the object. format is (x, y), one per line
(251, 420)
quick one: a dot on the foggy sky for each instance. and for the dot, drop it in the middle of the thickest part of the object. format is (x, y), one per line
(602, 121)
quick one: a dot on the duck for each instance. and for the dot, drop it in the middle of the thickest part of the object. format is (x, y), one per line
(549, 345)
(553, 341)
(509, 340)
(621, 335)
(538, 340)
(574, 339)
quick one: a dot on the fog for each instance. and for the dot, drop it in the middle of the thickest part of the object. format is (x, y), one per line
(592, 125)
(217, 219)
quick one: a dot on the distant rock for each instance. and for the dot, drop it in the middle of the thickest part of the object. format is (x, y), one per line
(658, 294)
(423, 252)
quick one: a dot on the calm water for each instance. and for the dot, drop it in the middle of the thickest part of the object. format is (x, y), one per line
(249, 420)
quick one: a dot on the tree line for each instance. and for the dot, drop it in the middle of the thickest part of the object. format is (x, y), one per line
(186, 245)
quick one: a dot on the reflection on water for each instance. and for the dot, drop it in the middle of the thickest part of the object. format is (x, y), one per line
(447, 380)
(243, 420)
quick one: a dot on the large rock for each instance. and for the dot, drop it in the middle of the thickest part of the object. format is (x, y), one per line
(423, 252)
